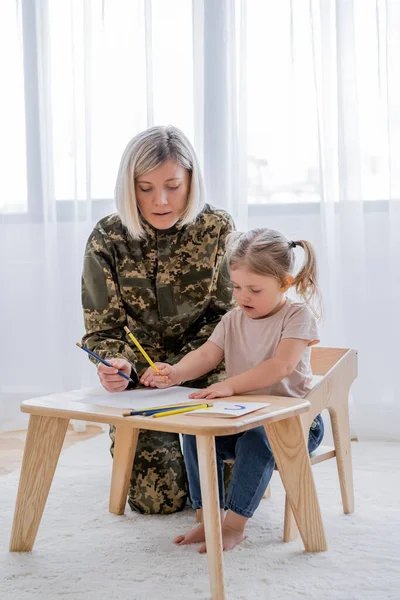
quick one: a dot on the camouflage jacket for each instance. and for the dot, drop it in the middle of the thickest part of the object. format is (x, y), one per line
(171, 288)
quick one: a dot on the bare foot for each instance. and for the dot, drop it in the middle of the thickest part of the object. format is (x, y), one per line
(230, 538)
(194, 536)
(232, 531)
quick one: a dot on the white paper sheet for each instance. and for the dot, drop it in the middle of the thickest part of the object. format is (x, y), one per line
(139, 398)
(228, 409)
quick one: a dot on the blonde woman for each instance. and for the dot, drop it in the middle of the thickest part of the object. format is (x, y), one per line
(157, 267)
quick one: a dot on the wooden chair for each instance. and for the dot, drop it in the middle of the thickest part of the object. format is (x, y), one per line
(334, 370)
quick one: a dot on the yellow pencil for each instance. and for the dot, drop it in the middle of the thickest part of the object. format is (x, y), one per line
(147, 357)
(171, 406)
(182, 410)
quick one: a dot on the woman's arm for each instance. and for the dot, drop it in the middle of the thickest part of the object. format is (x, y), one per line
(104, 314)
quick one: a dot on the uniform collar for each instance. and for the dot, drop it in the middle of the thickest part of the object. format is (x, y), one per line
(153, 231)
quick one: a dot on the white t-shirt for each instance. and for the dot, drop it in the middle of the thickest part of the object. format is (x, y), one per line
(248, 342)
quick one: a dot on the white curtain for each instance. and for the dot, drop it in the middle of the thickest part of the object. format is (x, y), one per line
(294, 109)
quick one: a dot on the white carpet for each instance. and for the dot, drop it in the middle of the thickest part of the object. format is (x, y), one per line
(84, 552)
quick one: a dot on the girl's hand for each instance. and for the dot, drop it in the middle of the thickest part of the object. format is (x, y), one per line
(217, 390)
(109, 378)
(166, 376)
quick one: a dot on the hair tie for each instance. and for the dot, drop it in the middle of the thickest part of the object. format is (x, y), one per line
(292, 244)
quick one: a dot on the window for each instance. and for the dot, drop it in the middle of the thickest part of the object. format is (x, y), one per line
(13, 191)
(99, 90)
(84, 77)
(282, 126)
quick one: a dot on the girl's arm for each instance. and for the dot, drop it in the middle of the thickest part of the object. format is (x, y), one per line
(199, 362)
(273, 370)
(193, 365)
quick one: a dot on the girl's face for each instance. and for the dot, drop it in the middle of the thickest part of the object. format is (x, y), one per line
(257, 295)
(162, 194)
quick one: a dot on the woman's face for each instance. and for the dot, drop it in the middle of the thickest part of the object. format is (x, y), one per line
(162, 194)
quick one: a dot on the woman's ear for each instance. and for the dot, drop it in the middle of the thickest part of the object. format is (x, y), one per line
(287, 283)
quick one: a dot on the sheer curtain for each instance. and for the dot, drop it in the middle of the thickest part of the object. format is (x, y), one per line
(358, 105)
(294, 109)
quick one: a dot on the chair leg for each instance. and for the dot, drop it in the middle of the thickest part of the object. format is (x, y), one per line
(289, 447)
(126, 438)
(267, 493)
(290, 529)
(43, 445)
(341, 435)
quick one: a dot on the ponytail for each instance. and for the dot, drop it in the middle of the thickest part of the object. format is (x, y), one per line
(305, 282)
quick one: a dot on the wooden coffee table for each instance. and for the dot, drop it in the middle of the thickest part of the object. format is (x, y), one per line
(48, 424)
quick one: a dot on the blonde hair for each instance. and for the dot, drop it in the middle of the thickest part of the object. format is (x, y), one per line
(268, 252)
(145, 152)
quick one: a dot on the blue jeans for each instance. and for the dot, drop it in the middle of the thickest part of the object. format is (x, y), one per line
(252, 471)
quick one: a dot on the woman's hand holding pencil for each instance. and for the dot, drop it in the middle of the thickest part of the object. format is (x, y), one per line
(109, 377)
(114, 373)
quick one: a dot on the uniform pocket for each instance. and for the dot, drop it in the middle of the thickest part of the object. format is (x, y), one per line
(94, 285)
(197, 276)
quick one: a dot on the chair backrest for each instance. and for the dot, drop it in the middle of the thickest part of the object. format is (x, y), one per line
(323, 359)
(337, 368)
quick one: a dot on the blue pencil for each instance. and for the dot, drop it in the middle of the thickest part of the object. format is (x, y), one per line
(148, 412)
(104, 362)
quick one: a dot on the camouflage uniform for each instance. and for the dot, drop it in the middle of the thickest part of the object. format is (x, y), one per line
(171, 289)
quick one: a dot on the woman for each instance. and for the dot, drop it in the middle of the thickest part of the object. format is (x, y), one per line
(157, 267)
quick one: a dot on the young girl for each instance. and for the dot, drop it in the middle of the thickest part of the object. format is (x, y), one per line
(266, 345)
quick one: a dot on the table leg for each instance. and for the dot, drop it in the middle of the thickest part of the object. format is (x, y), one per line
(43, 445)
(126, 438)
(290, 451)
(211, 514)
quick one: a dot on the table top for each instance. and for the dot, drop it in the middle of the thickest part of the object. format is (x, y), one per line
(63, 406)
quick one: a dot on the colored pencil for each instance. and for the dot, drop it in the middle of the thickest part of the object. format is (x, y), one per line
(139, 347)
(167, 413)
(157, 409)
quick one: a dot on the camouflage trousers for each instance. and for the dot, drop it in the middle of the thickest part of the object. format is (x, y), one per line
(158, 482)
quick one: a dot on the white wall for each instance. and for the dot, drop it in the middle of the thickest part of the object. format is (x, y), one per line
(41, 317)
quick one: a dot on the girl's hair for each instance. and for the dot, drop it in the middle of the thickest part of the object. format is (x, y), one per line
(145, 152)
(268, 252)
